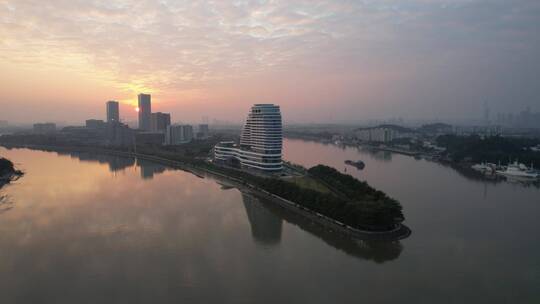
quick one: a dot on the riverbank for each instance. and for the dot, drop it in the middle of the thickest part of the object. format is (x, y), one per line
(463, 166)
(398, 231)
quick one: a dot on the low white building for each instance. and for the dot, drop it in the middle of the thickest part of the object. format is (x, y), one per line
(376, 134)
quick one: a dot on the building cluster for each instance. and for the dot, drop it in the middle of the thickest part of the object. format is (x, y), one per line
(259, 148)
(376, 134)
(153, 128)
(157, 128)
(393, 133)
(484, 131)
(44, 128)
(524, 119)
(110, 132)
(261, 142)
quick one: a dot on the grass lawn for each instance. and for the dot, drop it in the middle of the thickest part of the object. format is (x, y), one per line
(309, 183)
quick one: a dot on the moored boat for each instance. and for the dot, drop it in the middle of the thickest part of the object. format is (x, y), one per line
(518, 170)
(486, 168)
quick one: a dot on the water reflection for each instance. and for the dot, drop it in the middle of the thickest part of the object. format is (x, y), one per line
(148, 169)
(266, 227)
(376, 154)
(5, 203)
(79, 234)
(523, 182)
(266, 218)
(476, 176)
(115, 163)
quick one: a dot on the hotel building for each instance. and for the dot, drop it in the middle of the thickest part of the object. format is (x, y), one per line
(261, 141)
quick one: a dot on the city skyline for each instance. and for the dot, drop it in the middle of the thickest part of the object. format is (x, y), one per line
(321, 61)
(519, 118)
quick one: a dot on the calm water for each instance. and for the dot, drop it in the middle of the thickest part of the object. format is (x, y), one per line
(97, 229)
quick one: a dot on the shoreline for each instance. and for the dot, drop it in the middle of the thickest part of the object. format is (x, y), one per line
(461, 167)
(400, 232)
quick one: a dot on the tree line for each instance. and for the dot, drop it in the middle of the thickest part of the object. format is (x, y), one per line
(490, 149)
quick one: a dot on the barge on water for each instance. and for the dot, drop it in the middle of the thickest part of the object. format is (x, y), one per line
(358, 164)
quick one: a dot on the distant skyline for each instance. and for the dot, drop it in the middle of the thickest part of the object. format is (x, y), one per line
(321, 61)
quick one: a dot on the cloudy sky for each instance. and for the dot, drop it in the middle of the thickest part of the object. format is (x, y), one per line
(60, 60)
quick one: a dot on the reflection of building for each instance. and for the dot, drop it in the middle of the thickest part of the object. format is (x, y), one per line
(120, 163)
(266, 227)
(44, 128)
(178, 134)
(264, 219)
(377, 154)
(260, 142)
(116, 163)
(145, 112)
(160, 121)
(113, 111)
(149, 168)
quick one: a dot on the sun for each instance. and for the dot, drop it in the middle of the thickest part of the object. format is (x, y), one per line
(137, 109)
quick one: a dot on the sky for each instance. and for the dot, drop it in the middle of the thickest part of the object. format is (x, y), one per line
(321, 61)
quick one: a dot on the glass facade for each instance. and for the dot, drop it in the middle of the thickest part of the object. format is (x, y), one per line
(261, 141)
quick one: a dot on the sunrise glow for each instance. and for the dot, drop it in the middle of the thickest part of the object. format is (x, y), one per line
(319, 60)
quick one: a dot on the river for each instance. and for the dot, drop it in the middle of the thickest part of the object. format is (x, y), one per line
(82, 228)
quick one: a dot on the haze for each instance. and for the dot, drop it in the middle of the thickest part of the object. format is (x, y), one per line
(61, 60)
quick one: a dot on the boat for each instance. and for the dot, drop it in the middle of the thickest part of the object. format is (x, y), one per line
(358, 164)
(486, 168)
(518, 170)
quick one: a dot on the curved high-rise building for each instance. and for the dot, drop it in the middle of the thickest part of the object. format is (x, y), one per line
(261, 141)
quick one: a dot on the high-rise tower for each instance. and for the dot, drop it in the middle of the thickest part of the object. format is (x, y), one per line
(113, 111)
(160, 121)
(145, 112)
(261, 141)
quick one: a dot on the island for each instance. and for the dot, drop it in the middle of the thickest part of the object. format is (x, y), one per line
(331, 196)
(8, 172)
